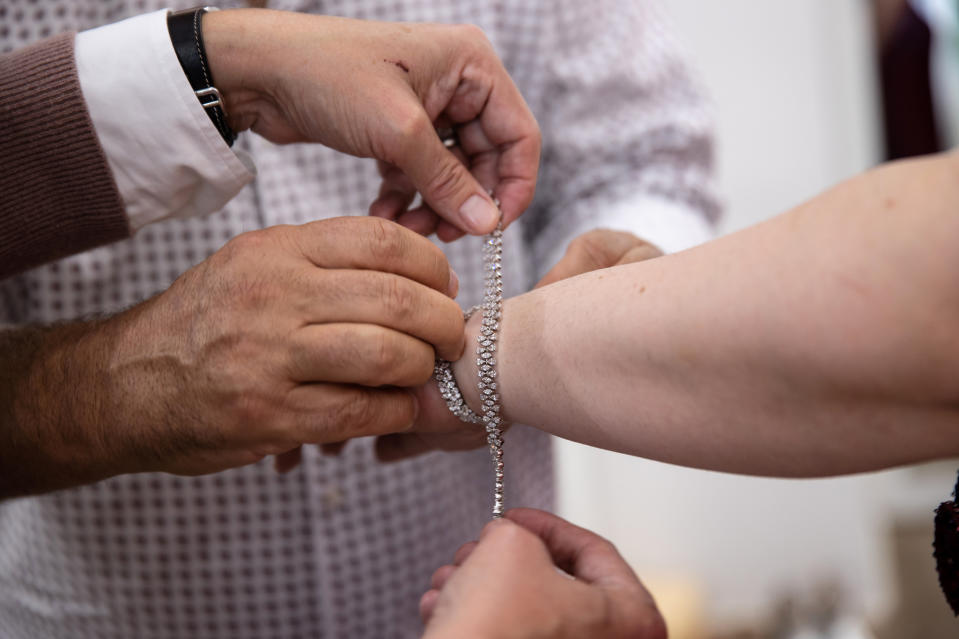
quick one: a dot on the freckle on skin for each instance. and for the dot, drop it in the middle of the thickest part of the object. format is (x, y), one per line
(642, 289)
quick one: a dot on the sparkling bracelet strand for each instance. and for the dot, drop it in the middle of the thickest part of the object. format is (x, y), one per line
(492, 308)
(486, 358)
(450, 391)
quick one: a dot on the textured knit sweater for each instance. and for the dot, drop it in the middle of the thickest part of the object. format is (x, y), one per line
(57, 194)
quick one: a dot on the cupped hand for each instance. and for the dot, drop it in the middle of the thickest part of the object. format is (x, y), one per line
(380, 90)
(596, 249)
(289, 335)
(534, 575)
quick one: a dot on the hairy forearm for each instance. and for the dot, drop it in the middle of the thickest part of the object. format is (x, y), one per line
(822, 341)
(50, 432)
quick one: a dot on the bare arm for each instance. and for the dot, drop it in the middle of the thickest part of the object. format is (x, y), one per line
(823, 341)
(46, 408)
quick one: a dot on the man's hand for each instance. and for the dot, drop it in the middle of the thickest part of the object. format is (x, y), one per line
(510, 584)
(380, 90)
(285, 336)
(438, 429)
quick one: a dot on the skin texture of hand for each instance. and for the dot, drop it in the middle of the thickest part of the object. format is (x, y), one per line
(285, 336)
(436, 428)
(380, 90)
(536, 576)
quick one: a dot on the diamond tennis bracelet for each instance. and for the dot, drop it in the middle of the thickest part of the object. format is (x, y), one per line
(492, 308)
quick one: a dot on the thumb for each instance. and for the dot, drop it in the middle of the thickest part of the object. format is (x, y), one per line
(447, 185)
(496, 526)
(512, 543)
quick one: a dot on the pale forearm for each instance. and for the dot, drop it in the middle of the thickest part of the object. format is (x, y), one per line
(823, 341)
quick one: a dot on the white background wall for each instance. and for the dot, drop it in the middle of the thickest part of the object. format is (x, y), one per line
(794, 87)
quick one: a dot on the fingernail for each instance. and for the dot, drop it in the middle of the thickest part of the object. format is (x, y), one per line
(454, 286)
(479, 214)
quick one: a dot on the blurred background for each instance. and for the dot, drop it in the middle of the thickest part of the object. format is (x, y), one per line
(807, 93)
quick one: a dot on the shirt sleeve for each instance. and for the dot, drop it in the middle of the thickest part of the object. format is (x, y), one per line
(167, 157)
(627, 133)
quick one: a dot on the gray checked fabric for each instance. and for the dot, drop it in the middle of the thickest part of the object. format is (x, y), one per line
(341, 547)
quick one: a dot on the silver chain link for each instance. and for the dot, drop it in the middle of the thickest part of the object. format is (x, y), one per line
(492, 308)
(486, 358)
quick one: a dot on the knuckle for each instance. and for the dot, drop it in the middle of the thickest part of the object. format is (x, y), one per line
(590, 239)
(410, 366)
(472, 33)
(398, 298)
(250, 410)
(236, 278)
(604, 546)
(254, 401)
(354, 412)
(338, 288)
(387, 241)
(422, 367)
(329, 231)
(448, 179)
(439, 264)
(245, 243)
(385, 355)
(453, 323)
(649, 251)
(592, 249)
(406, 130)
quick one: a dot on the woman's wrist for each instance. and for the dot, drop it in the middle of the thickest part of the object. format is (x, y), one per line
(518, 343)
(465, 370)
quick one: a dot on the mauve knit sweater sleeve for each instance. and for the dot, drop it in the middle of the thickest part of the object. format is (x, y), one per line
(57, 193)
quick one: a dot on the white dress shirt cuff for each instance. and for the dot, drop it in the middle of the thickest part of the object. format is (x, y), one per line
(166, 155)
(670, 225)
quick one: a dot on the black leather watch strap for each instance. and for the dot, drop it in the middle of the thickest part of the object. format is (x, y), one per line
(186, 35)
